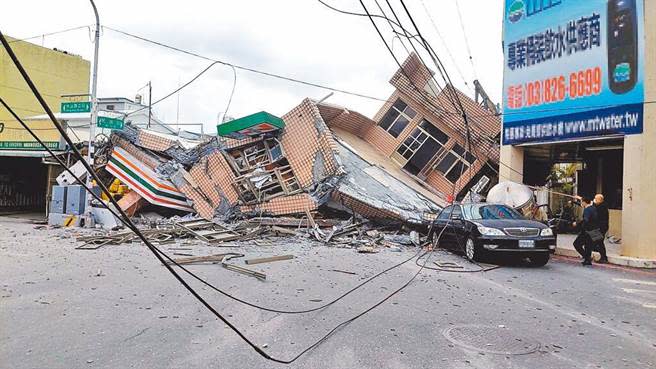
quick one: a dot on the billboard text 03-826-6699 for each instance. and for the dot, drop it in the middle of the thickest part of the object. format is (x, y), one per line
(573, 69)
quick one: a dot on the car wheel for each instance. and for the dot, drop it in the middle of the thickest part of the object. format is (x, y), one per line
(471, 251)
(539, 260)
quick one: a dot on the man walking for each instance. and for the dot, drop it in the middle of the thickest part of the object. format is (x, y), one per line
(602, 214)
(583, 243)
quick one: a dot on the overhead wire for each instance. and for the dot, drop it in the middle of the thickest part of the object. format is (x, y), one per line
(248, 69)
(232, 93)
(432, 88)
(357, 14)
(439, 236)
(464, 34)
(156, 252)
(430, 50)
(396, 36)
(50, 33)
(446, 46)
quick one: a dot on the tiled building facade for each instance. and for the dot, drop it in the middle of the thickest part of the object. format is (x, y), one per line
(421, 130)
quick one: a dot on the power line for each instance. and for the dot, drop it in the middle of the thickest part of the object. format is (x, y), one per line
(446, 47)
(252, 70)
(413, 48)
(234, 85)
(464, 35)
(50, 33)
(176, 90)
(359, 14)
(154, 250)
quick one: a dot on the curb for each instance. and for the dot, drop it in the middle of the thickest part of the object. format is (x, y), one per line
(612, 259)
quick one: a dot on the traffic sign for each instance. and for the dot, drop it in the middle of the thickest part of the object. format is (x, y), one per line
(76, 107)
(111, 123)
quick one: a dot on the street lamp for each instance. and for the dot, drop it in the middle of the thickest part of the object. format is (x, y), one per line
(94, 113)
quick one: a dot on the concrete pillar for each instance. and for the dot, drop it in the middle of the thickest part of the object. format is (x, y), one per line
(639, 199)
(511, 167)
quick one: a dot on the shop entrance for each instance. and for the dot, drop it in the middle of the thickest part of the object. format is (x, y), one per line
(578, 168)
(23, 184)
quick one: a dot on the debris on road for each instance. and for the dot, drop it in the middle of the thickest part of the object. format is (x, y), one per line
(235, 268)
(269, 259)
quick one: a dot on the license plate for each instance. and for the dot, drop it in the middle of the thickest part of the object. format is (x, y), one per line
(526, 244)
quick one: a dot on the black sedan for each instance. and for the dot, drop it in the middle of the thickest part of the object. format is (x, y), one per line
(483, 229)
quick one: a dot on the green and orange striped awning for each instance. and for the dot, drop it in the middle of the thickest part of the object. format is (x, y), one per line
(144, 181)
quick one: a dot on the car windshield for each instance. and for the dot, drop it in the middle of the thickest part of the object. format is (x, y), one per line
(482, 211)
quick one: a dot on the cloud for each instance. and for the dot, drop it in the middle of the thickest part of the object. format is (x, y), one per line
(300, 39)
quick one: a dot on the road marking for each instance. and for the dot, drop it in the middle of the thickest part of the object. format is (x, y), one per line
(637, 337)
(622, 280)
(649, 306)
(631, 290)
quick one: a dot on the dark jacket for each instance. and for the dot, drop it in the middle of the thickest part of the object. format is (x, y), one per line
(590, 219)
(602, 215)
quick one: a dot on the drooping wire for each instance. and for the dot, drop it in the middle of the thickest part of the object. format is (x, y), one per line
(232, 93)
(252, 70)
(453, 191)
(154, 250)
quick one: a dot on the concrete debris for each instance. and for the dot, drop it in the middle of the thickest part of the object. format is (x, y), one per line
(367, 250)
(263, 170)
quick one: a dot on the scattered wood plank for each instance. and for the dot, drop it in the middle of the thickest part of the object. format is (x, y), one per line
(214, 259)
(343, 271)
(269, 259)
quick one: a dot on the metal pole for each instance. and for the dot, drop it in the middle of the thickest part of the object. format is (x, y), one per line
(150, 102)
(94, 113)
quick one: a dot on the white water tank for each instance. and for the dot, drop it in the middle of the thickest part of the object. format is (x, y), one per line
(515, 195)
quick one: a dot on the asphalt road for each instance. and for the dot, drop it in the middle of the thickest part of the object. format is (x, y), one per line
(116, 307)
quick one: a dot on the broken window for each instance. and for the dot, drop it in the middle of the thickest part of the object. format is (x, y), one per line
(455, 162)
(262, 172)
(259, 154)
(397, 118)
(421, 146)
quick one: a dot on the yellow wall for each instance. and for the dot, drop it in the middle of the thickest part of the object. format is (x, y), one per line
(54, 74)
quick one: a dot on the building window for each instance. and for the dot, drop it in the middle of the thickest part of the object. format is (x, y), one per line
(397, 118)
(455, 162)
(421, 146)
(109, 107)
(412, 143)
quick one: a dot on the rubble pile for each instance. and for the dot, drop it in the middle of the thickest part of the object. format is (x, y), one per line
(178, 234)
(263, 166)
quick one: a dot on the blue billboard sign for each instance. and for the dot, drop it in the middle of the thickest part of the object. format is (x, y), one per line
(572, 69)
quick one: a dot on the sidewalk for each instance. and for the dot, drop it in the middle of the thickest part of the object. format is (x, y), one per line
(565, 247)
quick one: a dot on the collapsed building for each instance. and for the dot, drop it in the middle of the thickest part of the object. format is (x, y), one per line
(400, 166)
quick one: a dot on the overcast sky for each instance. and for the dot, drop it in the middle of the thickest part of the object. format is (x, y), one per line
(301, 39)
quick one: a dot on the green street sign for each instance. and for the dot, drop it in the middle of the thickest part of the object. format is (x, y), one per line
(76, 107)
(111, 123)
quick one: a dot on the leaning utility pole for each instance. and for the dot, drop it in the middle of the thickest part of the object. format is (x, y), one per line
(94, 114)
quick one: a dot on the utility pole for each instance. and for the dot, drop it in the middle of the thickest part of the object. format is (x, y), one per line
(150, 102)
(94, 114)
